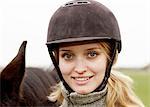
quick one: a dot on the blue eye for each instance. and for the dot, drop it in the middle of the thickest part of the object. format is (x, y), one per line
(92, 54)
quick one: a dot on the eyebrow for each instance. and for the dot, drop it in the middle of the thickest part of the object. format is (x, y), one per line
(93, 48)
(85, 49)
(64, 50)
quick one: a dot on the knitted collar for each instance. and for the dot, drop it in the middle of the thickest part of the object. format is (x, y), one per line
(79, 99)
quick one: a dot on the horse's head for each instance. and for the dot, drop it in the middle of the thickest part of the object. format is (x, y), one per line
(11, 78)
(30, 90)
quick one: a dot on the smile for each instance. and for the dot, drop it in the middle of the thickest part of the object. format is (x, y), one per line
(82, 80)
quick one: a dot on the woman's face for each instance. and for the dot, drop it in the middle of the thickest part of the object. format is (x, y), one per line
(82, 66)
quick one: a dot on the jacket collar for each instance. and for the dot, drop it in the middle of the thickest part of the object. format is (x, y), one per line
(79, 99)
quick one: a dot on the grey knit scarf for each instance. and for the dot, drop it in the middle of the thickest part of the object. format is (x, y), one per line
(94, 99)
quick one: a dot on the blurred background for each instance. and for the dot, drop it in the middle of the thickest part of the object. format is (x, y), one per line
(28, 20)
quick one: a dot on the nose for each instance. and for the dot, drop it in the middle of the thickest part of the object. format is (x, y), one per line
(80, 67)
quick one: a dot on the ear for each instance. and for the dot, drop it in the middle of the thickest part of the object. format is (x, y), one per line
(12, 75)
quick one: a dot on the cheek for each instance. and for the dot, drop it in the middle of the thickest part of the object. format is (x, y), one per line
(65, 68)
(99, 66)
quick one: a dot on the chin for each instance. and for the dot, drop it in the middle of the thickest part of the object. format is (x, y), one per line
(84, 91)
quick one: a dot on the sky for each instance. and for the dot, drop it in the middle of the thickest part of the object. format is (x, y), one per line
(28, 20)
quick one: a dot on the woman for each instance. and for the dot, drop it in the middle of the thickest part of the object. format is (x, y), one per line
(83, 42)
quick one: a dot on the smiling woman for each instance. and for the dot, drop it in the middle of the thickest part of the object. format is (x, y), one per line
(83, 42)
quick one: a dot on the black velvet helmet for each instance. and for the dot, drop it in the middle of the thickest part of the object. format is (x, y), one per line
(83, 20)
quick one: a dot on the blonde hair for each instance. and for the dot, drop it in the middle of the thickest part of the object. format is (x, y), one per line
(120, 93)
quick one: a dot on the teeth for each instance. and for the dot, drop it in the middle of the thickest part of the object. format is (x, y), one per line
(82, 78)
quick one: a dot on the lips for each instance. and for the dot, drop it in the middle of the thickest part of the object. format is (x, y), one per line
(82, 80)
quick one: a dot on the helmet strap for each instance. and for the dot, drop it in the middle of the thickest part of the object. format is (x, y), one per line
(108, 69)
(55, 63)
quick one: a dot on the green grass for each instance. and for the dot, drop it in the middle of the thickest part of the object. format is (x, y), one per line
(141, 84)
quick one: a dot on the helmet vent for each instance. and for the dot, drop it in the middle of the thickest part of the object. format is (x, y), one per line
(69, 4)
(84, 2)
(76, 3)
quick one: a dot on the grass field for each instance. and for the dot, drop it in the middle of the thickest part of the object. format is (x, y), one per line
(141, 84)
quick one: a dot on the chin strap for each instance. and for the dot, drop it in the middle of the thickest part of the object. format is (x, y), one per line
(55, 63)
(108, 69)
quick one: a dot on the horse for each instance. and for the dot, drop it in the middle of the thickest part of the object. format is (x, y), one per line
(21, 86)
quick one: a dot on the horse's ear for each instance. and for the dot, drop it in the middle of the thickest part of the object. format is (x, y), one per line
(12, 75)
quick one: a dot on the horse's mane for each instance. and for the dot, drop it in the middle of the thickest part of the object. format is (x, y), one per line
(37, 85)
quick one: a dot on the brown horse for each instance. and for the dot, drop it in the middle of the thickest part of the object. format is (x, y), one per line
(25, 87)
